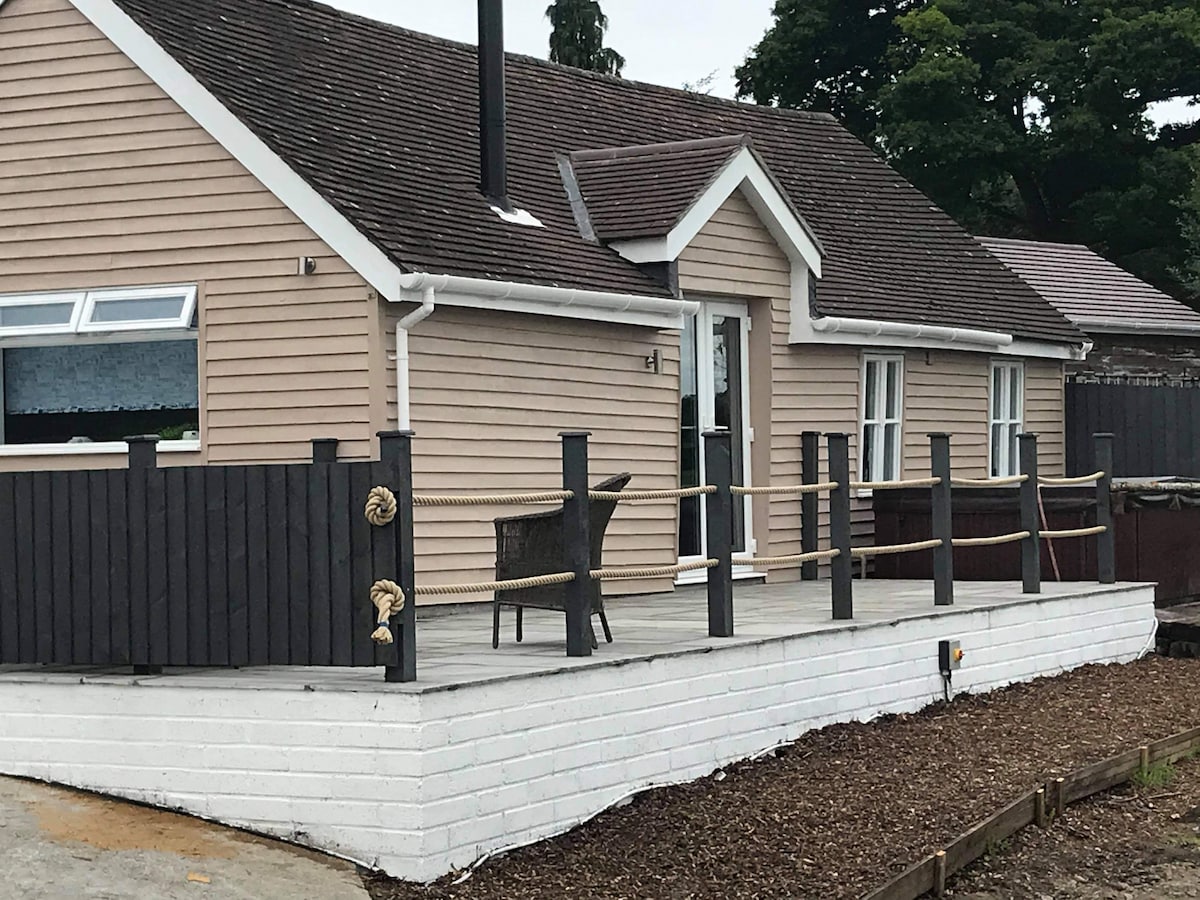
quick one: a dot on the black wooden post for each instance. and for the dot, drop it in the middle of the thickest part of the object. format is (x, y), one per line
(143, 455)
(943, 528)
(324, 450)
(395, 450)
(810, 473)
(839, 526)
(1106, 543)
(1031, 547)
(577, 543)
(143, 451)
(718, 466)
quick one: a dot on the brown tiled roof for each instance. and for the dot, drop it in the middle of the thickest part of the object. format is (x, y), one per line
(643, 191)
(1087, 288)
(383, 122)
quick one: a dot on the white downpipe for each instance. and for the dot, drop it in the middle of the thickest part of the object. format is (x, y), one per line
(403, 409)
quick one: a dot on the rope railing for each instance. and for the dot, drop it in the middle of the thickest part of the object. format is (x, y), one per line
(894, 485)
(993, 541)
(795, 489)
(889, 549)
(1070, 482)
(1007, 481)
(618, 574)
(491, 499)
(796, 559)
(1072, 533)
(512, 584)
(677, 494)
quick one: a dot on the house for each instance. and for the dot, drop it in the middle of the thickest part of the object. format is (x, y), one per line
(1141, 378)
(245, 224)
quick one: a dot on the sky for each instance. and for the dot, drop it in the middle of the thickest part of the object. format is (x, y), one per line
(670, 42)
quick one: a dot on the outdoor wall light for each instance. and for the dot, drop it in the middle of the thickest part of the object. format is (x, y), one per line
(654, 362)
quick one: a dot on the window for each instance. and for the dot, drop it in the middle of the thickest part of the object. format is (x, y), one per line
(97, 366)
(883, 402)
(139, 309)
(1006, 420)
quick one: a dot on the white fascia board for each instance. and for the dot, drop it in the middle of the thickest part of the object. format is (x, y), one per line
(744, 172)
(263, 163)
(665, 313)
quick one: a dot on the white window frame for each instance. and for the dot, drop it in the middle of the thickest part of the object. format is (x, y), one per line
(878, 418)
(62, 298)
(1009, 462)
(85, 306)
(94, 298)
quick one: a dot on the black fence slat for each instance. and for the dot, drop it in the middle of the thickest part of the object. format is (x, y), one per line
(117, 485)
(80, 567)
(29, 624)
(159, 576)
(10, 607)
(277, 566)
(237, 562)
(260, 610)
(178, 625)
(194, 578)
(361, 566)
(341, 577)
(217, 574)
(139, 602)
(61, 567)
(1156, 428)
(320, 600)
(296, 589)
(100, 592)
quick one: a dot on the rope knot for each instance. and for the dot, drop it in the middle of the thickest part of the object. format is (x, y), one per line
(381, 506)
(388, 599)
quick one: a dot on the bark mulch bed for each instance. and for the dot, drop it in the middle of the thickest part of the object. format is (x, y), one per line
(1135, 843)
(847, 807)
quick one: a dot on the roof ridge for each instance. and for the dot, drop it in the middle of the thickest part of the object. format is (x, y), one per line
(630, 150)
(1034, 242)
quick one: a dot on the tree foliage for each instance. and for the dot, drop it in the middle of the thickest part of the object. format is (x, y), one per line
(577, 37)
(1019, 117)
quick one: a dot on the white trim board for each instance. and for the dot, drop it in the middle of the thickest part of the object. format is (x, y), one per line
(746, 173)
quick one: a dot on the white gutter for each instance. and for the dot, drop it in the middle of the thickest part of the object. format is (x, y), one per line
(938, 333)
(1117, 326)
(403, 413)
(633, 309)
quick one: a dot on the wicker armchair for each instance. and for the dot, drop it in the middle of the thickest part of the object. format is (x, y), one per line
(532, 544)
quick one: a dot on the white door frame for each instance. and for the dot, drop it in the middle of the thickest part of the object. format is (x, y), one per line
(706, 415)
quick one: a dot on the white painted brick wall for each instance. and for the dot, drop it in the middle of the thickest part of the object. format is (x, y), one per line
(419, 783)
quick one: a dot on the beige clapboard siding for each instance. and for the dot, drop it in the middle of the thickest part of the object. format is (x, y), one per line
(946, 391)
(106, 182)
(490, 393)
(1045, 408)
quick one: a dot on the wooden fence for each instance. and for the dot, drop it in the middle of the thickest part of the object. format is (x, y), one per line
(1156, 428)
(193, 566)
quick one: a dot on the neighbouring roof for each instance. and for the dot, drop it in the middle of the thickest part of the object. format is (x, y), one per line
(1090, 290)
(643, 191)
(383, 122)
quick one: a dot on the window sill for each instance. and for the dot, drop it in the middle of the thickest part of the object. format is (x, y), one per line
(94, 449)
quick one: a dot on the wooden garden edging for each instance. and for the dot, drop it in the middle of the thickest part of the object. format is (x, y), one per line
(1038, 807)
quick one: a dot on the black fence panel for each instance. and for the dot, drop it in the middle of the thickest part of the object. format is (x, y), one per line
(193, 566)
(1156, 428)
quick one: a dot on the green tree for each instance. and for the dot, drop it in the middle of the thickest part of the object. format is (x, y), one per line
(577, 37)
(1019, 117)
(1189, 272)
